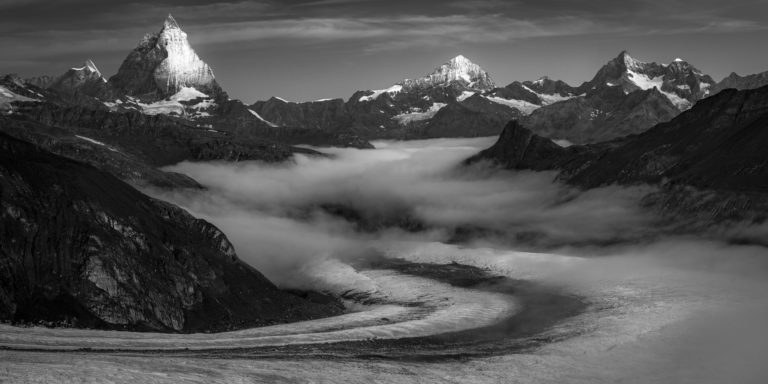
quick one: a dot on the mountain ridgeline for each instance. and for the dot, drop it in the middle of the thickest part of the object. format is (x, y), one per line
(163, 75)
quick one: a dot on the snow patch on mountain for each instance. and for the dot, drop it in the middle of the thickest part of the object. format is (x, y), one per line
(88, 139)
(523, 106)
(188, 93)
(393, 90)
(271, 124)
(562, 142)
(179, 104)
(679, 102)
(644, 82)
(465, 95)
(407, 118)
(7, 97)
(547, 99)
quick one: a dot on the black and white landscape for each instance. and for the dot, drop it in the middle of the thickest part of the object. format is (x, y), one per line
(168, 218)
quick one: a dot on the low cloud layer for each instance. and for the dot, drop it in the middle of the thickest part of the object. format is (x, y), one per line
(282, 217)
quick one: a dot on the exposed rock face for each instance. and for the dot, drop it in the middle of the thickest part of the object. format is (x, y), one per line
(602, 114)
(85, 249)
(547, 86)
(715, 150)
(519, 148)
(13, 91)
(42, 81)
(162, 65)
(118, 160)
(85, 80)
(475, 116)
(324, 114)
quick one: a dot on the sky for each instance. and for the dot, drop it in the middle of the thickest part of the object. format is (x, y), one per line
(305, 50)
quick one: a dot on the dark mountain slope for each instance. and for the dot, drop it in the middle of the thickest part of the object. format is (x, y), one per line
(134, 144)
(83, 248)
(710, 161)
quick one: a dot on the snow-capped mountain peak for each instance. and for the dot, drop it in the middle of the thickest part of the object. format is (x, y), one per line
(456, 70)
(460, 61)
(170, 23)
(163, 64)
(680, 81)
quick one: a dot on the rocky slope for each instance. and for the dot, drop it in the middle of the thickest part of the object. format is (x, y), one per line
(132, 145)
(602, 114)
(77, 84)
(85, 249)
(709, 162)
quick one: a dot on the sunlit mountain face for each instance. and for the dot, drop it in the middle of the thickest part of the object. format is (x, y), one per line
(347, 191)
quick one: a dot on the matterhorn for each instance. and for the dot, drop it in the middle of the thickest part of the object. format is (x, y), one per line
(162, 65)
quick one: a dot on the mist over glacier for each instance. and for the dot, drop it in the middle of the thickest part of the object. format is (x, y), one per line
(284, 217)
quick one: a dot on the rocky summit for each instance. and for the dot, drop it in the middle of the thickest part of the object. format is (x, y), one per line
(162, 65)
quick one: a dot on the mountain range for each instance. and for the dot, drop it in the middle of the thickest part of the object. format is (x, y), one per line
(164, 76)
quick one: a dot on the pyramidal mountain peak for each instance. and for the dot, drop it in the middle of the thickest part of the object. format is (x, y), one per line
(458, 69)
(170, 23)
(680, 81)
(163, 64)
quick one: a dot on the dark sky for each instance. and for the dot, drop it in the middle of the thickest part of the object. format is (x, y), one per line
(309, 49)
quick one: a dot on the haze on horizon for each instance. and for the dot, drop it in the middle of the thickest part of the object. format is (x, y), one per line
(310, 49)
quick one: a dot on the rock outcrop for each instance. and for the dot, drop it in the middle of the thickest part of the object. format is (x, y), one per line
(82, 248)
